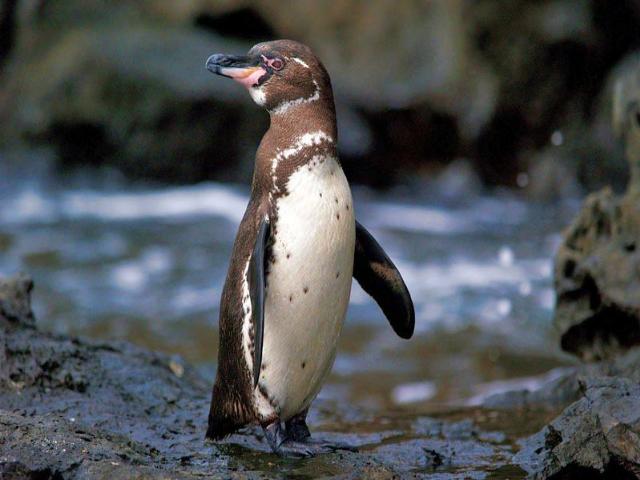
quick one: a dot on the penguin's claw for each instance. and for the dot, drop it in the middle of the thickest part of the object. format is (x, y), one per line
(296, 442)
(293, 449)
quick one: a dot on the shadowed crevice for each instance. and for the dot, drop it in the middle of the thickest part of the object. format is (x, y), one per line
(244, 24)
(600, 336)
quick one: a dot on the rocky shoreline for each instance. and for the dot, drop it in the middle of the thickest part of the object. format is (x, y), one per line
(74, 408)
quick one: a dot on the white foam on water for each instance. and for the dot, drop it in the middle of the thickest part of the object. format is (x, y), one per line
(26, 207)
(449, 277)
(134, 275)
(415, 218)
(438, 289)
(207, 199)
(440, 220)
(193, 300)
(506, 256)
(128, 276)
(413, 392)
(547, 298)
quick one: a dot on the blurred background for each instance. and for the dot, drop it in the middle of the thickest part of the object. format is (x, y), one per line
(470, 131)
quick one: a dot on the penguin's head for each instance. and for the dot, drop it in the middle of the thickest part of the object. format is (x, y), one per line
(279, 75)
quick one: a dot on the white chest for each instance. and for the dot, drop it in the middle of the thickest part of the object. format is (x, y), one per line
(308, 286)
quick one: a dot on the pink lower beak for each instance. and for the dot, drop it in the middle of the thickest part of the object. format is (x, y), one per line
(248, 76)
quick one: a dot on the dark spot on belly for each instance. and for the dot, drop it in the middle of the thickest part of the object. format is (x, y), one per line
(320, 194)
(304, 364)
(337, 274)
(336, 199)
(270, 398)
(347, 207)
(288, 255)
(338, 216)
(305, 289)
(291, 298)
(263, 367)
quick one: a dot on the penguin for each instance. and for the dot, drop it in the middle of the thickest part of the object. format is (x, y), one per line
(297, 248)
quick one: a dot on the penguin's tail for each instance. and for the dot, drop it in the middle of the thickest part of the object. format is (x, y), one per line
(227, 414)
(220, 427)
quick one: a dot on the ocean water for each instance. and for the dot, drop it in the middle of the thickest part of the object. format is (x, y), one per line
(146, 263)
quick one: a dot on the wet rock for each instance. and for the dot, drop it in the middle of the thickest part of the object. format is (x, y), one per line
(597, 268)
(596, 434)
(15, 299)
(444, 455)
(77, 409)
(565, 387)
(596, 437)
(556, 393)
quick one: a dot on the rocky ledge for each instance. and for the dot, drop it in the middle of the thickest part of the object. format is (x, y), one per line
(597, 270)
(76, 408)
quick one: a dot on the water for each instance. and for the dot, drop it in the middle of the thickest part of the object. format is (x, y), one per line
(146, 263)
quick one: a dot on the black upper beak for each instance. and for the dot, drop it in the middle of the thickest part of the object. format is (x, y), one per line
(218, 61)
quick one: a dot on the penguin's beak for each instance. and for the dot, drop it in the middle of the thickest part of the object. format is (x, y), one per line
(243, 69)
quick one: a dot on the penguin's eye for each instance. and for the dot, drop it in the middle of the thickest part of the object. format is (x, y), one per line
(276, 64)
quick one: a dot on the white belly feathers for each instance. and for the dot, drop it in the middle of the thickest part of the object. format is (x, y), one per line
(308, 287)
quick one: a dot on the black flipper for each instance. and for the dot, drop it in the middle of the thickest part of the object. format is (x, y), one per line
(379, 277)
(257, 293)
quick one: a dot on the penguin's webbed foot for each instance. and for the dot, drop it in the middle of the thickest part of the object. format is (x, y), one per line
(297, 443)
(291, 448)
(284, 445)
(298, 431)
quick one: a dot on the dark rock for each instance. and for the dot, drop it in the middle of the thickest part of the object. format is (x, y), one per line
(418, 85)
(78, 409)
(597, 435)
(8, 12)
(566, 388)
(597, 267)
(15, 299)
(557, 393)
(137, 98)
